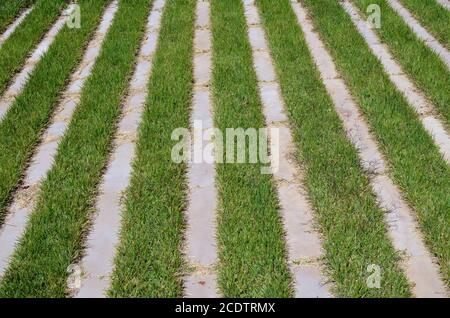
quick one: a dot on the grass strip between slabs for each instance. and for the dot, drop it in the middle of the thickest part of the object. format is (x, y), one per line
(250, 235)
(352, 224)
(21, 127)
(54, 237)
(432, 16)
(153, 222)
(423, 66)
(10, 10)
(415, 162)
(14, 51)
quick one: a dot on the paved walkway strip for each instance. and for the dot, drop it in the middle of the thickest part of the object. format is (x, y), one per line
(444, 3)
(25, 198)
(418, 264)
(14, 25)
(303, 241)
(413, 95)
(421, 32)
(97, 263)
(200, 239)
(21, 78)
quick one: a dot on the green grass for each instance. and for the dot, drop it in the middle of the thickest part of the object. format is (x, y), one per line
(416, 164)
(353, 227)
(10, 10)
(14, 51)
(417, 59)
(250, 235)
(433, 17)
(54, 237)
(149, 262)
(22, 126)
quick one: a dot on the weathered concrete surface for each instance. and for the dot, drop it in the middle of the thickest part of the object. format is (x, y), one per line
(10, 30)
(103, 239)
(200, 237)
(302, 240)
(413, 95)
(419, 265)
(25, 198)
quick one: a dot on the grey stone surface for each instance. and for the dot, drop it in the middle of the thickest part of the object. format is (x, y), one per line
(201, 285)
(200, 237)
(202, 71)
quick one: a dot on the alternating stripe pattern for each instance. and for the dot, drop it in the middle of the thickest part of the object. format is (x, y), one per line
(97, 263)
(21, 79)
(14, 25)
(418, 263)
(415, 97)
(303, 242)
(25, 198)
(421, 32)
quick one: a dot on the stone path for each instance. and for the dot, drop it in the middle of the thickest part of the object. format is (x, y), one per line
(200, 238)
(303, 241)
(25, 198)
(420, 267)
(103, 239)
(10, 30)
(415, 98)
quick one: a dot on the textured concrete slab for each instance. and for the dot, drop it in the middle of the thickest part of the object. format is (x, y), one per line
(270, 96)
(302, 240)
(10, 30)
(202, 71)
(416, 99)
(257, 39)
(97, 263)
(418, 263)
(263, 67)
(200, 238)
(25, 198)
(19, 81)
(202, 42)
(421, 32)
(201, 108)
(201, 285)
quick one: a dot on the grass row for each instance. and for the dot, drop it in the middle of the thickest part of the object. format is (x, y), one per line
(416, 164)
(21, 127)
(417, 59)
(250, 235)
(149, 262)
(14, 51)
(352, 225)
(10, 10)
(54, 237)
(432, 16)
